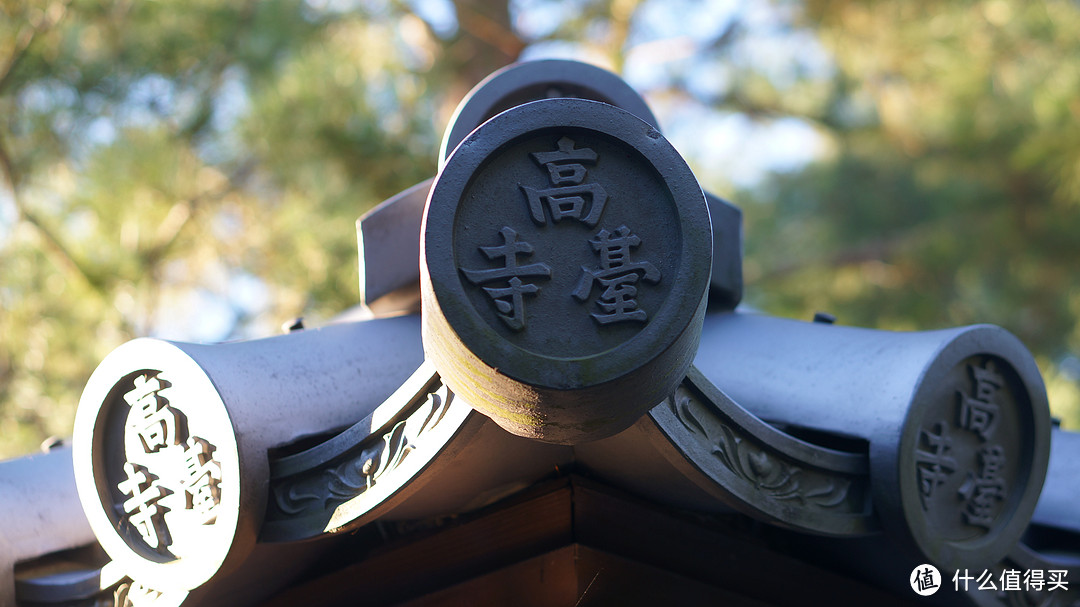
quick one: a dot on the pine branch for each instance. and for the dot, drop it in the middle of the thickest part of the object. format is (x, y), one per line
(55, 248)
(497, 35)
(26, 37)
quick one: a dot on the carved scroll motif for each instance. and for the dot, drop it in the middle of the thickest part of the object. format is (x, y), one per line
(340, 480)
(772, 475)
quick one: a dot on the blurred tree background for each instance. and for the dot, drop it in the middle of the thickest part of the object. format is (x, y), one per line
(193, 170)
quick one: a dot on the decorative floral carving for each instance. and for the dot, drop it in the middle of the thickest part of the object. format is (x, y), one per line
(770, 473)
(374, 457)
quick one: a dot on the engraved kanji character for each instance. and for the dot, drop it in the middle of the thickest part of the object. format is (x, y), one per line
(564, 165)
(616, 274)
(979, 413)
(933, 464)
(569, 196)
(617, 300)
(508, 251)
(145, 514)
(570, 201)
(1034, 579)
(987, 381)
(509, 301)
(992, 460)
(202, 479)
(978, 416)
(1057, 580)
(152, 418)
(1010, 580)
(984, 491)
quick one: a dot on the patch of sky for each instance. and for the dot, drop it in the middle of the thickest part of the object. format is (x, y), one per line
(672, 44)
(664, 63)
(699, 21)
(1070, 367)
(643, 74)
(414, 54)
(46, 96)
(767, 42)
(203, 313)
(783, 56)
(175, 270)
(97, 126)
(215, 311)
(232, 101)
(149, 102)
(314, 10)
(381, 96)
(560, 49)
(537, 19)
(597, 29)
(43, 197)
(63, 123)
(248, 293)
(228, 223)
(776, 14)
(667, 49)
(712, 80)
(100, 131)
(229, 106)
(440, 15)
(95, 103)
(727, 147)
(8, 214)
(199, 315)
(149, 99)
(81, 224)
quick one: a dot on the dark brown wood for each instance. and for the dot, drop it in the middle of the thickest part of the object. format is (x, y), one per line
(580, 576)
(722, 552)
(517, 529)
(548, 579)
(573, 541)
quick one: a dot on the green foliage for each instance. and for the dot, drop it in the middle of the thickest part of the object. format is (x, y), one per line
(951, 196)
(195, 169)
